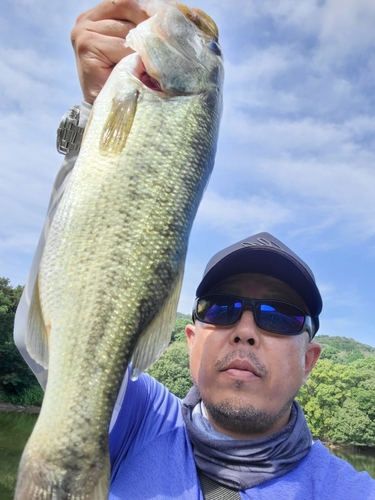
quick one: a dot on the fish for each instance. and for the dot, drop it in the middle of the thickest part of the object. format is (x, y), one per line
(110, 277)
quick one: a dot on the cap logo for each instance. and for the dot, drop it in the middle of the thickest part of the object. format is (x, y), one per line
(261, 242)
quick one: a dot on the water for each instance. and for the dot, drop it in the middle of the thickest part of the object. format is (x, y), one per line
(361, 459)
(15, 429)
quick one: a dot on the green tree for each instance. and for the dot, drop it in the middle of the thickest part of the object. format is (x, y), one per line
(178, 333)
(366, 365)
(353, 356)
(339, 399)
(329, 352)
(351, 425)
(324, 393)
(17, 382)
(364, 398)
(9, 298)
(173, 369)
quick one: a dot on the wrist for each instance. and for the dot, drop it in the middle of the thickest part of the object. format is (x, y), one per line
(85, 113)
(69, 133)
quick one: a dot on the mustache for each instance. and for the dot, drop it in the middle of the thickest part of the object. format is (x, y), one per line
(222, 363)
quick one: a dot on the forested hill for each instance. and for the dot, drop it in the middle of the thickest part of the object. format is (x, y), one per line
(343, 350)
(338, 397)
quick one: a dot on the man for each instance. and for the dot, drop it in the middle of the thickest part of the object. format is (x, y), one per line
(256, 313)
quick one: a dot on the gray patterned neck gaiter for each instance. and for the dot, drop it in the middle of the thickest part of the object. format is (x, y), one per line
(242, 464)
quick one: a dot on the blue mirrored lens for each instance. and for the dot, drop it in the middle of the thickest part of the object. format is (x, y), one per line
(279, 318)
(218, 314)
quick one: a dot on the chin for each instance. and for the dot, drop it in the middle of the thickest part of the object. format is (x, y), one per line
(242, 417)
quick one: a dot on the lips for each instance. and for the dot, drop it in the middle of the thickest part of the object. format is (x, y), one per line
(241, 367)
(241, 364)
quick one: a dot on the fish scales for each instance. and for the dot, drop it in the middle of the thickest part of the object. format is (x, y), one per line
(112, 268)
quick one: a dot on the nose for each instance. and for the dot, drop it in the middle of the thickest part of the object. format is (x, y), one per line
(245, 331)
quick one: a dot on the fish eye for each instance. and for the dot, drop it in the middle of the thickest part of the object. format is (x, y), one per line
(214, 47)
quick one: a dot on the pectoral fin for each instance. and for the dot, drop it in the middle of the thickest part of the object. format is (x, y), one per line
(118, 124)
(37, 335)
(157, 336)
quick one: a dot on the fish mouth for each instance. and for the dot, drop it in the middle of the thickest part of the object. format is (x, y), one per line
(147, 80)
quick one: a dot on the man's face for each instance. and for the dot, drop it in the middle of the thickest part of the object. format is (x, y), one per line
(247, 385)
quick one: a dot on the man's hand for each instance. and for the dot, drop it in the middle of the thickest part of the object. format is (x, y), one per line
(98, 41)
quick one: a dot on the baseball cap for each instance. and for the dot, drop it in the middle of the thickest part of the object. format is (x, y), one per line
(264, 254)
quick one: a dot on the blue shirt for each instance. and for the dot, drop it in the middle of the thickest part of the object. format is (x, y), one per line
(152, 458)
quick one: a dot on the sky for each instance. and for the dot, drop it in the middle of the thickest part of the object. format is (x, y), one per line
(296, 153)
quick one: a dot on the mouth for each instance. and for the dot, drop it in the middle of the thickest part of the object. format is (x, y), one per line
(147, 80)
(241, 369)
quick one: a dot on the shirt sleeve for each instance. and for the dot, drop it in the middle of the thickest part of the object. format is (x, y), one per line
(145, 410)
(58, 189)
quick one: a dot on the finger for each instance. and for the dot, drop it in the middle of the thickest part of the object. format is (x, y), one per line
(110, 27)
(109, 50)
(127, 10)
(88, 33)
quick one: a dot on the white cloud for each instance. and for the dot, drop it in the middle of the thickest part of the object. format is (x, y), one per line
(230, 216)
(347, 26)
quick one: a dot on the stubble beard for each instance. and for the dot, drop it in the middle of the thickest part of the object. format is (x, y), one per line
(245, 419)
(236, 416)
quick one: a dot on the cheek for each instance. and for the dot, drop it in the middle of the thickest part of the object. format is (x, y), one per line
(291, 368)
(195, 356)
(202, 357)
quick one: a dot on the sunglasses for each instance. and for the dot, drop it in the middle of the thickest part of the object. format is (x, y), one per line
(274, 316)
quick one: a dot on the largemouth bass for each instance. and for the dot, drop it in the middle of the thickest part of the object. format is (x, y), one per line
(111, 272)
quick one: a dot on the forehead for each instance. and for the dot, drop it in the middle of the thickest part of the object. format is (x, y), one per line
(258, 286)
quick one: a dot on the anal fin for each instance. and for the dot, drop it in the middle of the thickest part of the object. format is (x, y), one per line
(156, 338)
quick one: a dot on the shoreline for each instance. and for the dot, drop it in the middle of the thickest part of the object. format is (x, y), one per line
(35, 410)
(11, 408)
(347, 447)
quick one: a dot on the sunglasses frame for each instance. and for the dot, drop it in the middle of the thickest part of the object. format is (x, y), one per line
(252, 303)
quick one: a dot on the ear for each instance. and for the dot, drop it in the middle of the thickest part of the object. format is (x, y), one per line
(311, 357)
(190, 335)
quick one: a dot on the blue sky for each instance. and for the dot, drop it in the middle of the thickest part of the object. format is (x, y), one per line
(296, 153)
